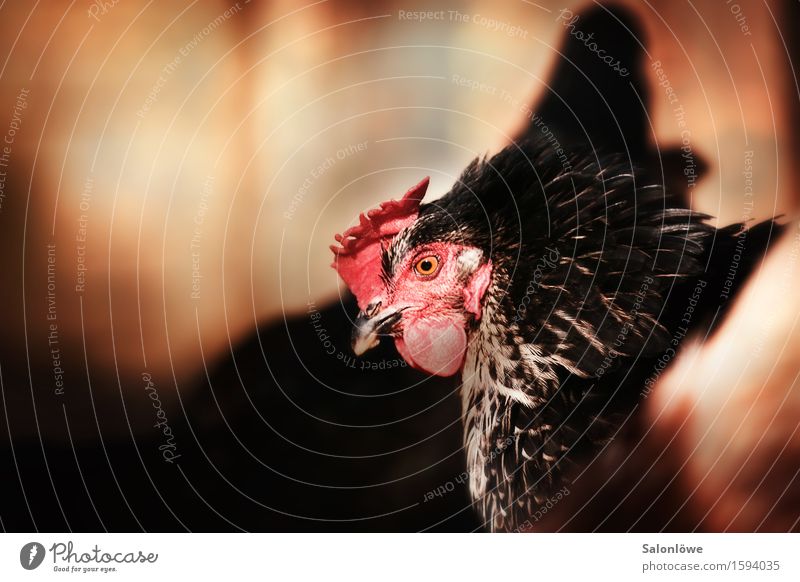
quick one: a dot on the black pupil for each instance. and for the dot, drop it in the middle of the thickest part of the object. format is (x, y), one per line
(426, 265)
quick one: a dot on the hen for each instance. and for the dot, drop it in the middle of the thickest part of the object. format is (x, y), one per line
(557, 285)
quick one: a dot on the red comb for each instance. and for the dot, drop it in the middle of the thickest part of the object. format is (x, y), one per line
(358, 259)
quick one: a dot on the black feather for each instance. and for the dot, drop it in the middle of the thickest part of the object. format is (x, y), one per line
(592, 271)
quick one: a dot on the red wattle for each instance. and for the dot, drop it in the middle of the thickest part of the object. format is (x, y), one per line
(436, 347)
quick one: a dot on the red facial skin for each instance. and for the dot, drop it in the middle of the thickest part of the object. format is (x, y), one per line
(357, 257)
(436, 308)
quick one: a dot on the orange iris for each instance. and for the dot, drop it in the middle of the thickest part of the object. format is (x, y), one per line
(427, 266)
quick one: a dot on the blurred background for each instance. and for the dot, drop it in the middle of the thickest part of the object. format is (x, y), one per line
(172, 175)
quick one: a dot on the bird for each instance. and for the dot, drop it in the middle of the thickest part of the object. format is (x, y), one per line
(554, 284)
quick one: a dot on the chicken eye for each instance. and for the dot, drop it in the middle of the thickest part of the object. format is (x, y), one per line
(427, 266)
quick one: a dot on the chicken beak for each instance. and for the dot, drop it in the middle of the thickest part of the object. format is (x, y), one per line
(371, 324)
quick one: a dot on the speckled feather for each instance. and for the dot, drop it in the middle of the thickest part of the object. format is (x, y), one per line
(585, 262)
